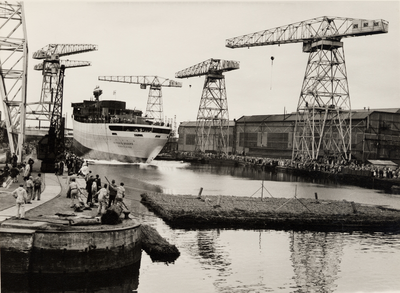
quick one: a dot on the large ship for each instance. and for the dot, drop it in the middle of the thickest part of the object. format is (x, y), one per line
(106, 130)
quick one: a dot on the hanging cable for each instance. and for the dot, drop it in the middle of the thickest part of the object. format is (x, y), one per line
(272, 65)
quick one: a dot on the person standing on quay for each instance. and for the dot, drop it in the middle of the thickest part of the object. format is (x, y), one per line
(31, 162)
(73, 190)
(37, 187)
(29, 188)
(121, 191)
(98, 182)
(27, 171)
(14, 160)
(102, 196)
(89, 183)
(113, 192)
(21, 198)
(94, 190)
(61, 168)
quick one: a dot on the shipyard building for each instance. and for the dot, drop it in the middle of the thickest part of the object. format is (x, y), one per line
(375, 135)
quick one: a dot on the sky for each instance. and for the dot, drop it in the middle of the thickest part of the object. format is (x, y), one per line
(161, 38)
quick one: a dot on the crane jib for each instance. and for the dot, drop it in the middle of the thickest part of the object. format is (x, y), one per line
(311, 30)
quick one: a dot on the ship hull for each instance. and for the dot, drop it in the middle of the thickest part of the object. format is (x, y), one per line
(100, 141)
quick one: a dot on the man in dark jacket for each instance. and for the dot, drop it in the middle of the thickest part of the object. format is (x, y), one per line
(89, 183)
(14, 160)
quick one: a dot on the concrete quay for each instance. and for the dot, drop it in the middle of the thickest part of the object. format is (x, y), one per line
(51, 188)
(51, 234)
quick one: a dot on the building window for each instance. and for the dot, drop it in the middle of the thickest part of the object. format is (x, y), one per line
(365, 24)
(190, 139)
(248, 140)
(278, 140)
(355, 25)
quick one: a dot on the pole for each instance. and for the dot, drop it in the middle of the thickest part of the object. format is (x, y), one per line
(262, 189)
(200, 191)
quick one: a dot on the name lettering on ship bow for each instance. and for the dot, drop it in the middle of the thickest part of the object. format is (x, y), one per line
(123, 144)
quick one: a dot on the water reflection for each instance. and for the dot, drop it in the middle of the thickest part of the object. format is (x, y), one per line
(265, 260)
(316, 260)
(116, 281)
(209, 252)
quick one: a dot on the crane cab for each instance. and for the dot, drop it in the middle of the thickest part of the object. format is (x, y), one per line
(367, 27)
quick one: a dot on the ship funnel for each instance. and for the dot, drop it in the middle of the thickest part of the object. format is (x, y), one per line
(97, 93)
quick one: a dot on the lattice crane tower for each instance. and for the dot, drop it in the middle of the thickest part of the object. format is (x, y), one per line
(13, 72)
(49, 107)
(212, 125)
(154, 107)
(52, 91)
(323, 120)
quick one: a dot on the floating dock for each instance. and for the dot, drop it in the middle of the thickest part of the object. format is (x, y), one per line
(187, 211)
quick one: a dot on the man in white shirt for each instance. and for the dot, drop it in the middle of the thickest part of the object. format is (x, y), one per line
(21, 197)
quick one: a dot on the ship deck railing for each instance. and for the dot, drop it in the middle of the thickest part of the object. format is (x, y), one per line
(119, 121)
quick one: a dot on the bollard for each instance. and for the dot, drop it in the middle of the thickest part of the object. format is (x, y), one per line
(316, 197)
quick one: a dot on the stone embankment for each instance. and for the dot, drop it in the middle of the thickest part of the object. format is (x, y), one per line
(186, 211)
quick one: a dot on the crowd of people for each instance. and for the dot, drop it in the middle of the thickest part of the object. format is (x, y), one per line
(95, 193)
(29, 189)
(343, 166)
(325, 164)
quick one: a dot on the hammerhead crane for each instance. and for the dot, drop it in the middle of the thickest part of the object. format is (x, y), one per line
(13, 72)
(213, 113)
(323, 120)
(154, 107)
(51, 99)
(51, 69)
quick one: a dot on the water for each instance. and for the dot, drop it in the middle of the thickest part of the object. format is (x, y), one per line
(227, 260)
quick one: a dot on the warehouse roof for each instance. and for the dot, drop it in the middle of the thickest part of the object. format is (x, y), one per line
(355, 114)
